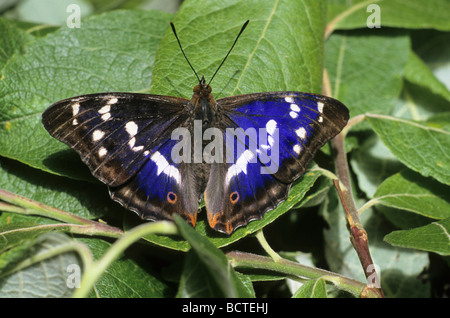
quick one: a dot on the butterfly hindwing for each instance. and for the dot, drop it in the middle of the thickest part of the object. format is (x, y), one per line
(161, 188)
(290, 127)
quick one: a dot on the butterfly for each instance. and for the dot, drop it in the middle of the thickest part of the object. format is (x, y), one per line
(159, 155)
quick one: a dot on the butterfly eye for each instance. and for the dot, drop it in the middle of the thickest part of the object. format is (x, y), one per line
(234, 197)
(172, 197)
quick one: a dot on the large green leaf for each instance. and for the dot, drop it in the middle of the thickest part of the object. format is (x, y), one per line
(412, 192)
(12, 41)
(40, 268)
(72, 62)
(281, 49)
(125, 277)
(421, 146)
(434, 237)
(419, 73)
(414, 14)
(88, 200)
(365, 70)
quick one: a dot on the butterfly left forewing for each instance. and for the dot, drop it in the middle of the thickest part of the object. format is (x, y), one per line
(114, 132)
(125, 140)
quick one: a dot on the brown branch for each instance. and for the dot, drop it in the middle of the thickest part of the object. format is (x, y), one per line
(358, 236)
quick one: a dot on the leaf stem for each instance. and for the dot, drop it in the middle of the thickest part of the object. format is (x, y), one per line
(242, 260)
(262, 240)
(25, 206)
(93, 272)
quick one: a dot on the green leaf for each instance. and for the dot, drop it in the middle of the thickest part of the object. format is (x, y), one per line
(414, 14)
(207, 30)
(219, 270)
(417, 72)
(418, 102)
(84, 199)
(350, 59)
(314, 288)
(433, 48)
(198, 282)
(12, 41)
(71, 62)
(420, 146)
(434, 237)
(412, 192)
(126, 277)
(44, 269)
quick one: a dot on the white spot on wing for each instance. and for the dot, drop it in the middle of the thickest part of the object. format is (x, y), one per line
(112, 101)
(301, 132)
(131, 128)
(297, 149)
(289, 99)
(320, 107)
(97, 135)
(104, 109)
(102, 152)
(106, 116)
(75, 109)
(293, 114)
(132, 142)
(270, 128)
(295, 108)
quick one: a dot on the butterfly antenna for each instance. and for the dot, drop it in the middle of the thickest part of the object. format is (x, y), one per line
(223, 61)
(182, 51)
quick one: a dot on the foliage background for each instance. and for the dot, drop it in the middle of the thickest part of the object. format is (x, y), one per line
(395, 80)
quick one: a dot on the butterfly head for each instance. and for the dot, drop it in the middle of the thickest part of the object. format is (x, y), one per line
(204, 103)
(202, 89)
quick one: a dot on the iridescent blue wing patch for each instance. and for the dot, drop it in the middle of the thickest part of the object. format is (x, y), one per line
(290, 128)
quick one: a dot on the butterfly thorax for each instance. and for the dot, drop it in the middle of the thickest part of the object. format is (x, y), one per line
(205, 105)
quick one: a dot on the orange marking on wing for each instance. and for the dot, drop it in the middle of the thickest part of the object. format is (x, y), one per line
(234, 197)
(229, 227)
(192, 218)
(212, 219)
(172, 197)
